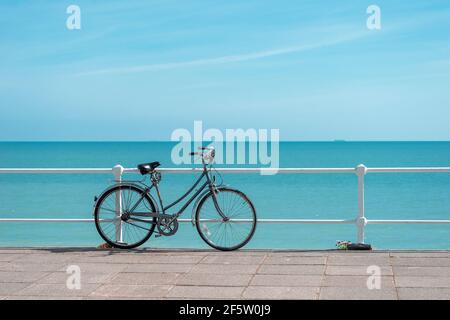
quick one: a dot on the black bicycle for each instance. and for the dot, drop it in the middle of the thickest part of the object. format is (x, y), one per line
(126, 214)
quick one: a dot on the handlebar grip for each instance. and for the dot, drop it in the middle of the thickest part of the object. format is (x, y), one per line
(192, 153)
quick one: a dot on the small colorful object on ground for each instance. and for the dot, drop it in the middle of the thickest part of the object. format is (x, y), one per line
(347, 245)
(342, 244)
(104, 246)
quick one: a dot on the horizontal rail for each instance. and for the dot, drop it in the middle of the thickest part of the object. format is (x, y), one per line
(283, 221)
(305, 221)
(56, 170)
(173, 170)
(408, 170)
(360, 171)
(224, 170)
(43, 220)
(408, 221)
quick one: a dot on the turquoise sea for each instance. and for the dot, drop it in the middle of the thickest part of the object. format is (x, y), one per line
(308, 196)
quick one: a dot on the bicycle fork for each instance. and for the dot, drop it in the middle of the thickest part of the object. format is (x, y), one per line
(216, 204)
(214, 190)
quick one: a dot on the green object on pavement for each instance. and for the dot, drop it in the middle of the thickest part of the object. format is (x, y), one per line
(342, 245)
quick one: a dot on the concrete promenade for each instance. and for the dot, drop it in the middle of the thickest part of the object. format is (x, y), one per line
(185, 274)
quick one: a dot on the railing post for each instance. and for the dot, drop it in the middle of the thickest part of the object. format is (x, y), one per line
(361, 220)
(117, 172)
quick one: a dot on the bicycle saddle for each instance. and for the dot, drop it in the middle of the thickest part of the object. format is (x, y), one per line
(145, 168)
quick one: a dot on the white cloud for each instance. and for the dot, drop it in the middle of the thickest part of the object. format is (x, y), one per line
(225, 59)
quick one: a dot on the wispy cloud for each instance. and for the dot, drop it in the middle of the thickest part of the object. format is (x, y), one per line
(227, 58)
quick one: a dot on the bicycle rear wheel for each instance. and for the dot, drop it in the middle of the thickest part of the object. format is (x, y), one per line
(226, 235)
(114, 217)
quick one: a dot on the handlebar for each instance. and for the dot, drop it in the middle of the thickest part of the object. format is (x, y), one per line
(202, 149)
(208, 155)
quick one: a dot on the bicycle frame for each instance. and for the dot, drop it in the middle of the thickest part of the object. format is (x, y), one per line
(188, 192)
(208, 183)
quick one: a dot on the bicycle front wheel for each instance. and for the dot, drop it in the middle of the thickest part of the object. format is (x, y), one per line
(117, 219)
(231, 233)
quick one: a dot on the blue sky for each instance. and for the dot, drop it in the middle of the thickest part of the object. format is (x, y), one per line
(137, 70)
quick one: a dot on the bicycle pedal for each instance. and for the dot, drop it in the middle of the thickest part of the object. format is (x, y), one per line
(158, 235)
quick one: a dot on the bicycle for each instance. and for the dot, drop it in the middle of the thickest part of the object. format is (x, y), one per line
(126, 214)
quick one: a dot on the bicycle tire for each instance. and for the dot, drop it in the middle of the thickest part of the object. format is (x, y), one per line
(97, 219)
(252, 217)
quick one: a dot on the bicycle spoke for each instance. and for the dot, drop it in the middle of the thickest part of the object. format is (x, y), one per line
(133, 231)
(226, 235)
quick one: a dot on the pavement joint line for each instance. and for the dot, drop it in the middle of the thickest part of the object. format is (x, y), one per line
(266, 256)
(188, 272)
(18, 291)
(323, 277)
(394, 278)
(112, 277)
(42, 277)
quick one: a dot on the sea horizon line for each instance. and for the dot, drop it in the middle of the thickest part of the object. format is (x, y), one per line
(206, 141)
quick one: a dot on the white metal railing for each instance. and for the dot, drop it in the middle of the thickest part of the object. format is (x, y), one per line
(360, 221)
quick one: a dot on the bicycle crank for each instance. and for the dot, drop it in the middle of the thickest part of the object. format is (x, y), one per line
(167, 226)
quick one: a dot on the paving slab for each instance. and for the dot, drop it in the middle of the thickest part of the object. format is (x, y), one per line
(295, 260)
(60, 290)
(358, 260)
(356, 293)
(271, 280)
(138, 297)
(297, 253)
(158, 267)
(422, 282)
(225, 268)
(259, 292)
(360, 253)
(85, 277)
(292, 269)
(205, 292)
(356, 271)
(43, 298)
(145, 259)
(30, 267)
(14, 276)
(421, 261)
(238, 253)
(230, 259)
(9, 288)
(356, 281)
(136, 291)
(420, 254)
(421, 271)
(86, 267)
(7, 257)
(226, 280)
(40, 258)
(17, 250)
(205, 274)
(424, 293)
(149, 278)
